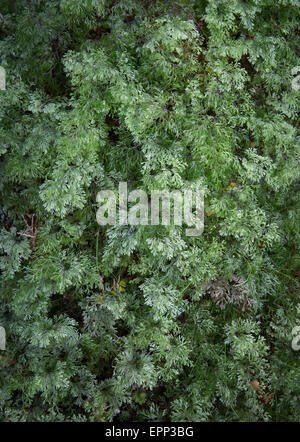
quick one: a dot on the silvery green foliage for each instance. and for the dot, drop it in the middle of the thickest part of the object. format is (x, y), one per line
(124, 322)
(13, 250)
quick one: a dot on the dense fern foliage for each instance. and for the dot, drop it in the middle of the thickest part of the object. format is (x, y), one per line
(143, 323)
